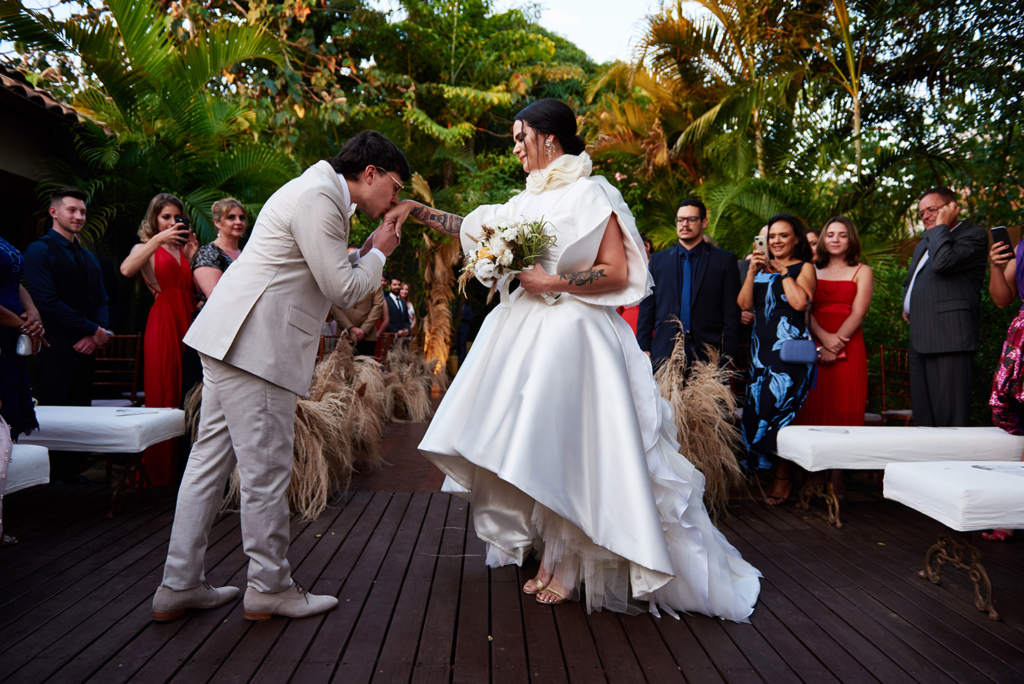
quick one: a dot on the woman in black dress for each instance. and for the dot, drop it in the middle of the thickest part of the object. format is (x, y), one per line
(18, 315)
(780, 291)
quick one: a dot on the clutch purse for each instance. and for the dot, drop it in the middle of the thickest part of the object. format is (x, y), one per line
(800, 351)
(23, 347)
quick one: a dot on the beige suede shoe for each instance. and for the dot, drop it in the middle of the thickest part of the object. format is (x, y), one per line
(169, 604)
(293, 602)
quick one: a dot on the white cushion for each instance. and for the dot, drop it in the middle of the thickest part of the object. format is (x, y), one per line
(104, 429)
(962, 496)
(817, 448)
(30, 466)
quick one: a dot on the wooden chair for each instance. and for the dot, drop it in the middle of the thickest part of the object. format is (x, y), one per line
(117, 366)
(895, 366)
(385, 341)
(328, 343)
(738, 382)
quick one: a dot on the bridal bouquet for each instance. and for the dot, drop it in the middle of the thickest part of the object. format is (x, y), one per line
(504, 251)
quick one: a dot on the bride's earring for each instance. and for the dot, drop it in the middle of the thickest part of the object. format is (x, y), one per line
(549, 148)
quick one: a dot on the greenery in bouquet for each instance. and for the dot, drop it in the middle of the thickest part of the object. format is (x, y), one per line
(503, 251)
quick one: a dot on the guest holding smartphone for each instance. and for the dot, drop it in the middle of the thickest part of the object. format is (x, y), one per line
(1005, 283)
(780, 290)
(163, 259)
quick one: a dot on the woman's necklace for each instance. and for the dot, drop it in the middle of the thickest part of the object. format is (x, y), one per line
(835, 271)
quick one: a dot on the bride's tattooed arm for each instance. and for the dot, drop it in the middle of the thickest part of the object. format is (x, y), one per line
(438, 220)
(581, 278)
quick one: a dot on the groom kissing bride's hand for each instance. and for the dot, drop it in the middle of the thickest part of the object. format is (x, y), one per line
(386, 238)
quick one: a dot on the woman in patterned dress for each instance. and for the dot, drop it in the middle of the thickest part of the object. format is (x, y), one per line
(1005, 283)
(780, 291)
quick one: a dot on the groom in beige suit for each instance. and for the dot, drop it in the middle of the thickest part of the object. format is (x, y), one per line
(257, 337)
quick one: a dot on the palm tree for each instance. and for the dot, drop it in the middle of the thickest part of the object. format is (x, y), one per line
(163, 117)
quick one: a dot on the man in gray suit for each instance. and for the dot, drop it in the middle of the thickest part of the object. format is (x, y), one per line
(941, 301)
(257, 337)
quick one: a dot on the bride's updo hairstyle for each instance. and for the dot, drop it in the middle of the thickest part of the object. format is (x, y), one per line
(553, 117)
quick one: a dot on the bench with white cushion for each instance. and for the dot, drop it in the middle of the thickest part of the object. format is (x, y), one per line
(30, 466)
(108, 430)
(965, 497)
(819, 449)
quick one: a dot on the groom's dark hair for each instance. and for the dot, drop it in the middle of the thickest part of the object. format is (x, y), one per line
(369, 148)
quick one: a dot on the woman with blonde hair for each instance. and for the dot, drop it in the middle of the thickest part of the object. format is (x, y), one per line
(162, 257)
(212, 259)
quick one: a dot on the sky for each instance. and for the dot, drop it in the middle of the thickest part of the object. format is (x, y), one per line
(604, 29)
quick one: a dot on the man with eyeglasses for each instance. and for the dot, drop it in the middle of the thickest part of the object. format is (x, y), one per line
(695, 287)
(941, 301)
(257, 337)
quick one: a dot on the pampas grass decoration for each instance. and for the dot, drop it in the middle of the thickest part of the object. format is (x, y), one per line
(439, 260)
(702, 401)
(407, 384)
(338, 430)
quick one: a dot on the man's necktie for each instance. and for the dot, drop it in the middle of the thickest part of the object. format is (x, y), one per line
(684, 304)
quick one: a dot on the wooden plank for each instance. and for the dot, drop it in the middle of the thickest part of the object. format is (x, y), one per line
(543, 650)
(41, 603)
(731, 663)
(582, 662)
(655, 658)
(398, 654)
(508, 647)
(345, 540)
(247, 657)
(82, 617)
(472, 662)
(693, 662)
(329, 644)
(620, 665)
(358, 662)
(883, 563)
(179, 647)
(67, 566)
(78, 654)
(816, 573)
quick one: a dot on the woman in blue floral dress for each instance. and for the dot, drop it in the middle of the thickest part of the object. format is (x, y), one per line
(18, 315)
(779, 290)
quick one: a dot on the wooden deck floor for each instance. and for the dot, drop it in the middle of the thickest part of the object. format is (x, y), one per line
(417, 603)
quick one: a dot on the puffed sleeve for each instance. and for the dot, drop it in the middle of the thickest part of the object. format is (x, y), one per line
(595, 203)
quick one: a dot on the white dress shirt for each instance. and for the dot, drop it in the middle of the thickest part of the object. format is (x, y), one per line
(920, 265)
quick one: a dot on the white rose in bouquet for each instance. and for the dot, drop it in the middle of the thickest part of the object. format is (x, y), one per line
(484, 269)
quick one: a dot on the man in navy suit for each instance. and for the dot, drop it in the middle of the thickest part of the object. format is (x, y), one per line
(398, 314)
(695, 285)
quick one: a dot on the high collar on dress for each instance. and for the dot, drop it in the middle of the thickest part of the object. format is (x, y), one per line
(565, 169)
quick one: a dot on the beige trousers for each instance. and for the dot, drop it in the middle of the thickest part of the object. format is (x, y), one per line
(247, 421)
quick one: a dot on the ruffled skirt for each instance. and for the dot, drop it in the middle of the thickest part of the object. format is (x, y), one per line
(555, 431)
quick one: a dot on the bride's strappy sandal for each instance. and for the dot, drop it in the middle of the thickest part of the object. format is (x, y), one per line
(558, 601)
(537, 583)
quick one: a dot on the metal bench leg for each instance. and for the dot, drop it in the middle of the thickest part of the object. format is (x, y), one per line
(956, 549)
(820, 484)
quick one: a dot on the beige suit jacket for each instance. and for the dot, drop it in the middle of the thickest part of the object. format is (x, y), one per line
(267, 310)
(364, 315)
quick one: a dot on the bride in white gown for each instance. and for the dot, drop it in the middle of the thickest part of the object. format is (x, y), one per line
(554, 427)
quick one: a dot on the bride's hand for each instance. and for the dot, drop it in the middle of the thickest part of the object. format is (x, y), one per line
(536, 280)
(399, 213)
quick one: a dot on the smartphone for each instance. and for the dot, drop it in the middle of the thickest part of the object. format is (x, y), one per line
(1000, 234)
(759, 244)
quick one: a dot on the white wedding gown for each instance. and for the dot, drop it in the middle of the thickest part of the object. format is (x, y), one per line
(555, 430)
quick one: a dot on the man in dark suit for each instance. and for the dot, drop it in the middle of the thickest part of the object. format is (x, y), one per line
(695, 283)
(66, 284)
(941, 301)
(398, 314)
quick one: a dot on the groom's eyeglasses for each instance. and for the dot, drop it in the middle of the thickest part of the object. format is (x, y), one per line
(393, 179)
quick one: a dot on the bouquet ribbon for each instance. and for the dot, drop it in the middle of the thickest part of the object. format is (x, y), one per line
(507, 300)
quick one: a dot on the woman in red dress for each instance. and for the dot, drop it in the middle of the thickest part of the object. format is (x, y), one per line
(163, 258)
(845, 287)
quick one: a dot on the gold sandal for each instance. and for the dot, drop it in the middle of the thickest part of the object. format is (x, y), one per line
(537, 583)
(561, 599)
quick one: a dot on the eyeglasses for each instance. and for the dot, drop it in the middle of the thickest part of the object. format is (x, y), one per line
(692, 220)
(928, 211)
(393, 179)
